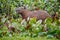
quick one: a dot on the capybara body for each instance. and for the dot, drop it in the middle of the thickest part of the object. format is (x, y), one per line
(38, 14)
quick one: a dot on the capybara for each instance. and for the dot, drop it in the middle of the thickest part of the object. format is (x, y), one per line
(38, 14)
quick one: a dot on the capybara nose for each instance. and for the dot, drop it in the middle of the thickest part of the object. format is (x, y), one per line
(17, 10)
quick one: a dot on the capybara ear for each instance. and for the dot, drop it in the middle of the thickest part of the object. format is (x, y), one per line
(37, 8)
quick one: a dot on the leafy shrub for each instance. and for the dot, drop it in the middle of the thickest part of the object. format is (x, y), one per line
(10, 18)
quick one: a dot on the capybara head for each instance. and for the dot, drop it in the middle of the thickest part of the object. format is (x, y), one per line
(20, 10)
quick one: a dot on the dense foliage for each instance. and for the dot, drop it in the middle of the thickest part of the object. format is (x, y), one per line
(9, 18)
(8, 6)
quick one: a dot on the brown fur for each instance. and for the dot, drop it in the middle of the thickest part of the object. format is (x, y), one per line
(38, 14)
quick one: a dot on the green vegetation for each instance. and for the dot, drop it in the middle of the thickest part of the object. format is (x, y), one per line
(48, 30)
(26, 38)
(36, 31)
